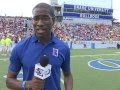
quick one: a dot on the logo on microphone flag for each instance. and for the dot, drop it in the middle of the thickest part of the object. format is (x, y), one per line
(39, 72)
(55, 52)
(42, 72)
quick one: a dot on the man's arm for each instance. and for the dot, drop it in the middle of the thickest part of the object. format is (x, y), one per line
(14, 84)
(68, 80)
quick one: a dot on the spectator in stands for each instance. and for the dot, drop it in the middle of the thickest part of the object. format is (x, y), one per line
(27, 53)
(118, 45)
(8, 44)
(3, 43)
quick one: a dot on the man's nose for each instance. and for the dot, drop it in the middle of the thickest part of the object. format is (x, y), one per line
(40, 22)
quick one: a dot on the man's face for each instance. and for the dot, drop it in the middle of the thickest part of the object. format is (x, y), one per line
(42, 22)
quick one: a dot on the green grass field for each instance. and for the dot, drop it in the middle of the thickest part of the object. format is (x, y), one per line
(85, 77)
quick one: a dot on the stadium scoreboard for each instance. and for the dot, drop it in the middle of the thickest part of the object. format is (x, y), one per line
(79, 11)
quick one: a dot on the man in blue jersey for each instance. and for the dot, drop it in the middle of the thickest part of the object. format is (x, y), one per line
(28, 52)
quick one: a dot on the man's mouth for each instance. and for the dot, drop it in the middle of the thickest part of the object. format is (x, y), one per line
(40, 30)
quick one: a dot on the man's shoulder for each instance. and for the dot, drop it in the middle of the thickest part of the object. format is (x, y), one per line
(24, 42)
(61, 43)
(21, 46)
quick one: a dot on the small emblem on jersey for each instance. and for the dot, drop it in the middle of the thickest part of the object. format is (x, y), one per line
(55, 52)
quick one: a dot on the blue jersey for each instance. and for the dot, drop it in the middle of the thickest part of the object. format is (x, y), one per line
(27, 53)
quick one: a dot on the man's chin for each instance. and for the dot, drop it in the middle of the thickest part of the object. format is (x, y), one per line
(39, 35)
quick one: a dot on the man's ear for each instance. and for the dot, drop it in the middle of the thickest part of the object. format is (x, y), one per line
(53, 20)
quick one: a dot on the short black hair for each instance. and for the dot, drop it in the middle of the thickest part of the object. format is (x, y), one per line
(47, 6)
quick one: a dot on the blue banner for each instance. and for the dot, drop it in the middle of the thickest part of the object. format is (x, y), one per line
(85, 15)
(87, 8)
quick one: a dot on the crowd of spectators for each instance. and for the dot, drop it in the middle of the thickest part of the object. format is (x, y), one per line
(19, 27)
(87, 32)
(15, 27)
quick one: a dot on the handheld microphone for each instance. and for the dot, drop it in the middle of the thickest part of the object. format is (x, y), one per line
(43, 69)
(44, 61)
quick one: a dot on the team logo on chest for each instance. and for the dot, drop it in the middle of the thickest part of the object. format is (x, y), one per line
(55, 52)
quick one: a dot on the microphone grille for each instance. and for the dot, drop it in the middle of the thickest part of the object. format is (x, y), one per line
(44, 61)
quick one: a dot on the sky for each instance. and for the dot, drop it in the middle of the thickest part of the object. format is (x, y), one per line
(24, 7)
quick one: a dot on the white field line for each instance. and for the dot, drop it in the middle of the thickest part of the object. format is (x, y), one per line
(94, 55)
(117, 52)
(81, 56)
(4, 59)
(62, 81)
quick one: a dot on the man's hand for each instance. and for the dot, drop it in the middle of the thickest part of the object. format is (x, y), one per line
(35, 84)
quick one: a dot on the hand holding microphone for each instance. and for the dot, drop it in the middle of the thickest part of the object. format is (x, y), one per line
(37, 83)
(41, 72)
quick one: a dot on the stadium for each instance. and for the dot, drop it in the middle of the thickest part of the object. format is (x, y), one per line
(92, 34)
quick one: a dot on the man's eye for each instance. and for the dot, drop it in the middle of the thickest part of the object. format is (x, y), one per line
(36, 18)
(46, 18)
(43, 18)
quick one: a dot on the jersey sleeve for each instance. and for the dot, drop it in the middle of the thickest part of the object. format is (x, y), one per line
(15, 63)
(66, 63)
